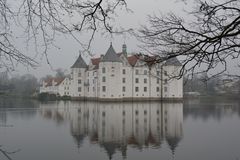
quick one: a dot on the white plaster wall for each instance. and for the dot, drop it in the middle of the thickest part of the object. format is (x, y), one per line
(128, 82)
(174, 86)
(113, 76)
(74, 84)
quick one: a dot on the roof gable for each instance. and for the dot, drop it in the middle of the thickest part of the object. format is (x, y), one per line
(80, 63)
(173, 62)
(49, 82)
(111, 56)
(132, 60)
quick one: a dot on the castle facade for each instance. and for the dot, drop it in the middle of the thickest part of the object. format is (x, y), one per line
(119, 76)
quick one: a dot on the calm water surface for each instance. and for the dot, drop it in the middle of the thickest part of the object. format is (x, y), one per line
(194, 130)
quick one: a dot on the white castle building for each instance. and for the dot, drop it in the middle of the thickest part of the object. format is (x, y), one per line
(119, 76)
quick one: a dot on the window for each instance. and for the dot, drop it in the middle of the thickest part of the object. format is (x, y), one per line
(79, 89)
(165, 81)
(165, 73)
(145, 89)
(124, 71)
(165, 89)
(79, 74)
(158, 73)
(79, 81)
(158, 80)
(136, 80)
(103, 114)
(145, 80)
(136, 89)
(157, 89)
(136, 112)
(137, 72)
(145, 112)
(103, 70)
(103, 79)
(124, 80)
(123, 88)
(145, 72)
(104, 88)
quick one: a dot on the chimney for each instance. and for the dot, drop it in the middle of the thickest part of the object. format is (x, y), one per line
(124, 49)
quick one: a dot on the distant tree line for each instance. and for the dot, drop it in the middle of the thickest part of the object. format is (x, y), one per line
(26, 84)
(215, 85)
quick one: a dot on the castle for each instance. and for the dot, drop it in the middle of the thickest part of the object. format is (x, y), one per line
(118, 76)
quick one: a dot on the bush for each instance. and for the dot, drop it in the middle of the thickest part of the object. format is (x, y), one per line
(47, 97)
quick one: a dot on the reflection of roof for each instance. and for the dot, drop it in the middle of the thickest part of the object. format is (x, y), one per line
(80, 63)
(173, 142)
(173, 62)
(94, 137)
(110, 147)
(78, 139)
(49, 81)
(111, 55)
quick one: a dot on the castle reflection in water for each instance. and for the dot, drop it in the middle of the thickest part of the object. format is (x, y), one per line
(117, 126)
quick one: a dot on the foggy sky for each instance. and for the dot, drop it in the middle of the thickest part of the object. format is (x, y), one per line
(69, 48)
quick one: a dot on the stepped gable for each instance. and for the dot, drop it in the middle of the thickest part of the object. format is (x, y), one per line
(132, 60)
(111, 56)
(173, 62)
(95, 62)
(80, 63)
(50, 80)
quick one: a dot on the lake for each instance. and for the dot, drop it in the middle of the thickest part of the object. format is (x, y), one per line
(190, 130)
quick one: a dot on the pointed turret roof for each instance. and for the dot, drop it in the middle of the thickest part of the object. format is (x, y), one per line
(111, 55)
(80, 63)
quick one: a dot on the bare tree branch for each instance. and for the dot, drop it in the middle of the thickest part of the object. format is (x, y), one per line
(41, 20)
(7, 153)
(208, 41)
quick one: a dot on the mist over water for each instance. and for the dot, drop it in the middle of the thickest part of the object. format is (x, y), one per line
(91, 130)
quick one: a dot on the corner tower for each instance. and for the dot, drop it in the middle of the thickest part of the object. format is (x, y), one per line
(110, 73)
(78, 77)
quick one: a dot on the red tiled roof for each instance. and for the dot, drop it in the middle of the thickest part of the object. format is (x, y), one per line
(132, 60)
(95, 61)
